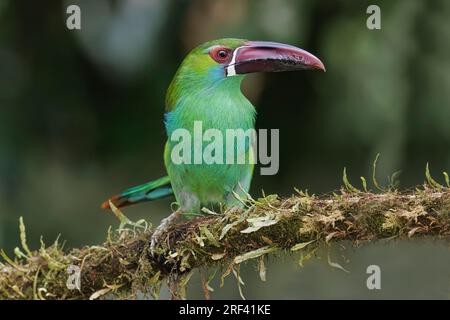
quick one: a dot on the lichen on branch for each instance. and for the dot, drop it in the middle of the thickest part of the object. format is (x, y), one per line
(123, 266)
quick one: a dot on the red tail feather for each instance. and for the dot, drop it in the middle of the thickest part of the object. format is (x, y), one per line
(117, 201)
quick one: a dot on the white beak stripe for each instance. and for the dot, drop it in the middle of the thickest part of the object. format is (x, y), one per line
(231, 71)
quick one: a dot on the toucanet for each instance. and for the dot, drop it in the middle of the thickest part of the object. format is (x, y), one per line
(207, 89)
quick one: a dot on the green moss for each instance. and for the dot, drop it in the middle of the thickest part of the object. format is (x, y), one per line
(123, 267)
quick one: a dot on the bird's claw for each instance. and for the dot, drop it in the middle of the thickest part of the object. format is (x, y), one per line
(153, 243)
(161, 229)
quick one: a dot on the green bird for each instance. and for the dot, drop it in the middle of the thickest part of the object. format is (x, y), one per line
(206, 89)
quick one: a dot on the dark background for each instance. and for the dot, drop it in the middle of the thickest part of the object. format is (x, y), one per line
(81, 118)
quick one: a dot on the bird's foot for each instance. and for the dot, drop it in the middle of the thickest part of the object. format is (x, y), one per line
(165, 224)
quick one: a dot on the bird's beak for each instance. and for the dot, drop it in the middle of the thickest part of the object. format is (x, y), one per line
(263, 56)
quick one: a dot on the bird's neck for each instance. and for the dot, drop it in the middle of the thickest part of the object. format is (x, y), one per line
(219, 105)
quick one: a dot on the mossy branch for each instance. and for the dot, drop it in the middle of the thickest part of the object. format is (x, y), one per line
(123, 266)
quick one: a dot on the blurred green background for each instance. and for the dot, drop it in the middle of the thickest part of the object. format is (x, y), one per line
(81, 118)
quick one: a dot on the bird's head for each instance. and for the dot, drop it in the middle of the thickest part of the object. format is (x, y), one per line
(223, 59)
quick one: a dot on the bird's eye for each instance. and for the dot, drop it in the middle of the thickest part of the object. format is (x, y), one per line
(220, 54)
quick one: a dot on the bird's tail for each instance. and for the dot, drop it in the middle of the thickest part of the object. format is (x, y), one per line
(149, 191)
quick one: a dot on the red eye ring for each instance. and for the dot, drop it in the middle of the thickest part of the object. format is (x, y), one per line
(220, 54)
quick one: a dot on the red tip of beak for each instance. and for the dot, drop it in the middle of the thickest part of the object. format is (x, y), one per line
(319, 66)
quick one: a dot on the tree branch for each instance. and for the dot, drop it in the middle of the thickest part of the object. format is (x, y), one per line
(123, 266)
